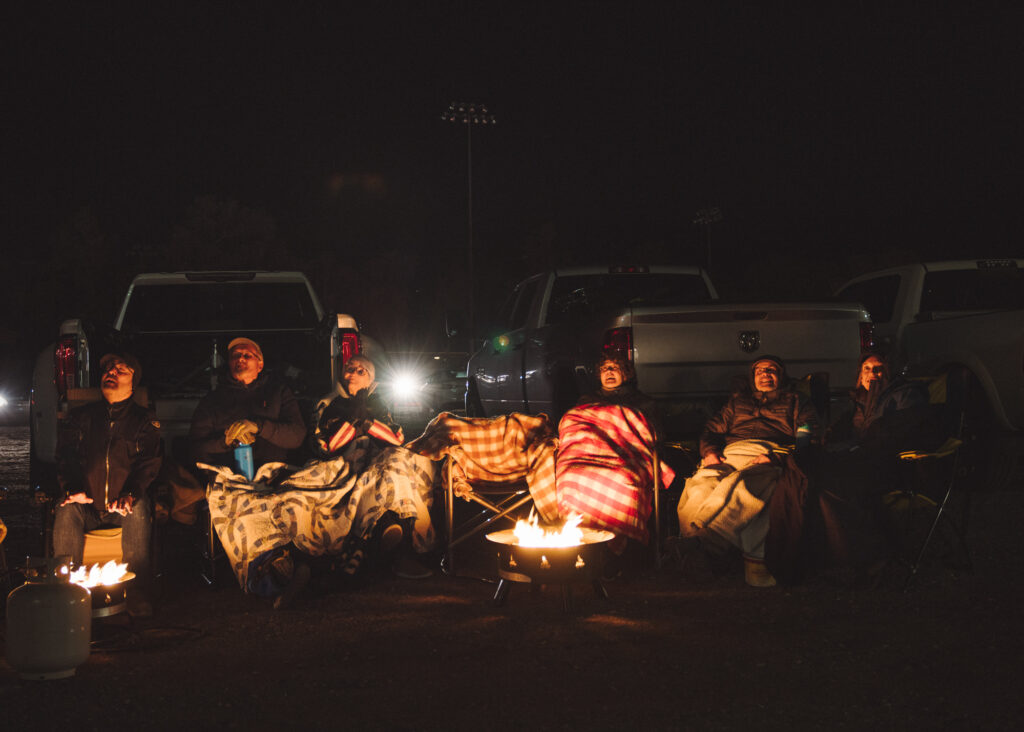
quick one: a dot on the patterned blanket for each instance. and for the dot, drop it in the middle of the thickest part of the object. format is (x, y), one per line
(511, 448)
(604, 468)
(322, 508)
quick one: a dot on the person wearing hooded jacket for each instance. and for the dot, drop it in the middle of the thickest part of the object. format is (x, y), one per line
(726, 499)
(248, 407)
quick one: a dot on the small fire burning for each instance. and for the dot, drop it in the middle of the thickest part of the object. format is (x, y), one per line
(109, 574)
(530, 533)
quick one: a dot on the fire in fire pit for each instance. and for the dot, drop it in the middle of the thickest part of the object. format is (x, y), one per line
(108, 585)
(530, 553)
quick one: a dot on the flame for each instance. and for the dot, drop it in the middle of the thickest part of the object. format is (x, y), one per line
(109, 574)
(530, 533)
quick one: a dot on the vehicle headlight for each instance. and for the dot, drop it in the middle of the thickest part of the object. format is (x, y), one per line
(405, 386)
(3, 401)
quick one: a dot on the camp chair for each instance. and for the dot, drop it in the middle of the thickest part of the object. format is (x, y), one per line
(497, 501)
(923, 491)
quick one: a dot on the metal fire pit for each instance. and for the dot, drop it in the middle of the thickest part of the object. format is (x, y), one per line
(545, 565)
(112, 599)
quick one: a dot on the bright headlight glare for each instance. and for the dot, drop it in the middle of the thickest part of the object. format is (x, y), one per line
(3, 401)
(405, 386)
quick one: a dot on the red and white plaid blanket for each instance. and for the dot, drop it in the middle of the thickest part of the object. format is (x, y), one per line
(604, 468)
(504, 449)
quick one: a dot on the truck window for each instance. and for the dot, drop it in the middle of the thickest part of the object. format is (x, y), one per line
(878, 295)
(1000, 288)
(580, 295)
(219, 306)
(522, 309)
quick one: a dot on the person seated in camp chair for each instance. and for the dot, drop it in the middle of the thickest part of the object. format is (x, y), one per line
(887, 415)
(605, 462)
(248, 407)
(726, 501)
(353, 422)
(108, 455)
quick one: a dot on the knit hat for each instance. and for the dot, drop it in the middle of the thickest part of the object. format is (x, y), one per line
(252, 345)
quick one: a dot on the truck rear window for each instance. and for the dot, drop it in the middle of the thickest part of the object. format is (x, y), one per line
(973, 289)
(583, 294)
(219, 306)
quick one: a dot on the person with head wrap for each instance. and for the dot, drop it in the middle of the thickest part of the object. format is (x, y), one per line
(725, 501)
(352, 422)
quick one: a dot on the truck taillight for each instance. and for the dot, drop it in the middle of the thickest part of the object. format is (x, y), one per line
(64, 364)
(619, 342)
(867, 338)
(349, 343)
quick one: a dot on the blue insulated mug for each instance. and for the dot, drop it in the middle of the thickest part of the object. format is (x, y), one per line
(243, 461)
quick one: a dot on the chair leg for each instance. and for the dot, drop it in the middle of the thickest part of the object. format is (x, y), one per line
(448, 563)
(501, 594)
(957, 530)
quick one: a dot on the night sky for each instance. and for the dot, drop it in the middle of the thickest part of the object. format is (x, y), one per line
(834, 138)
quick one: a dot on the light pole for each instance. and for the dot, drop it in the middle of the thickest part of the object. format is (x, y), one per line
(469, 114)
(706, 217)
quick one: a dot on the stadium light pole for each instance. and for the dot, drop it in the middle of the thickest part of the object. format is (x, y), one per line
(469, 114)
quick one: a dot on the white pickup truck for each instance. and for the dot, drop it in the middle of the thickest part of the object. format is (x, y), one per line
(178, 325)
(687, 347)
(931, 317)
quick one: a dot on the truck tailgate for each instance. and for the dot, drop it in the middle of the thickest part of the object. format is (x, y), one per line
(701, 350)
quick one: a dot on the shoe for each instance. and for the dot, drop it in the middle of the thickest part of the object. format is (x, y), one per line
(756, 573)
(391, 537)
(139, 607)
(300, 578)
(408, 567)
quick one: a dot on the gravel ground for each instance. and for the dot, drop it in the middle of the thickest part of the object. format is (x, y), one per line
(666, 650)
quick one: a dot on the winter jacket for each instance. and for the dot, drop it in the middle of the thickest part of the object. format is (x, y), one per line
(271, 405)
(108, 450)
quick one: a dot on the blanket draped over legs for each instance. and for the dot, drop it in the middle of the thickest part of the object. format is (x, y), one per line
(604, 469)
(729, 499)
(322, 508)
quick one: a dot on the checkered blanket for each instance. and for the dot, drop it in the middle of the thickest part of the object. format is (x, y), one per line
(322, 508)
(510, 448)
(604, 468)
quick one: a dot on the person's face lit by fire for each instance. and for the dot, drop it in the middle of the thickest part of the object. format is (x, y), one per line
(245, 364)
(610, 374)
(116, 383)
(766, 376)
(357, 377)
(872, 370)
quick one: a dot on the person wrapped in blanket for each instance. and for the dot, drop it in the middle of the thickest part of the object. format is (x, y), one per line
(604, 468)
(726, 500)
(354, 423)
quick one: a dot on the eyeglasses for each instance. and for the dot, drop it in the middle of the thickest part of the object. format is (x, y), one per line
(610, 367)
(766, 370)
(356, 370)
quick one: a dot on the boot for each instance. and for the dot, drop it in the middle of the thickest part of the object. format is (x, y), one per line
(756, 573)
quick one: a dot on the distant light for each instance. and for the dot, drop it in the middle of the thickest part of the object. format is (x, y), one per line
(3, 401)
(405, 385)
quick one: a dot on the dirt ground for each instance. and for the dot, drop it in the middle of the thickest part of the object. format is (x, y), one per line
(669, 649)
(664, 651)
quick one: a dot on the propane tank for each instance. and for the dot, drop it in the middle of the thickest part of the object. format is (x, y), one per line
(49, 622)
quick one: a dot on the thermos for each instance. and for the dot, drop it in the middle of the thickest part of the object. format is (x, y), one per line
(243, 460)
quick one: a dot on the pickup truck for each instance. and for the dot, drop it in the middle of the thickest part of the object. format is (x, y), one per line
(178, 325)
(687, 347)
(930, 317)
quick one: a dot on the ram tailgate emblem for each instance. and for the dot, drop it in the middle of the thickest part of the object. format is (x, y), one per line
(750, 340)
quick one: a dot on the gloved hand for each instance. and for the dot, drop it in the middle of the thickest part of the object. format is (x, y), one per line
(243, 431)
